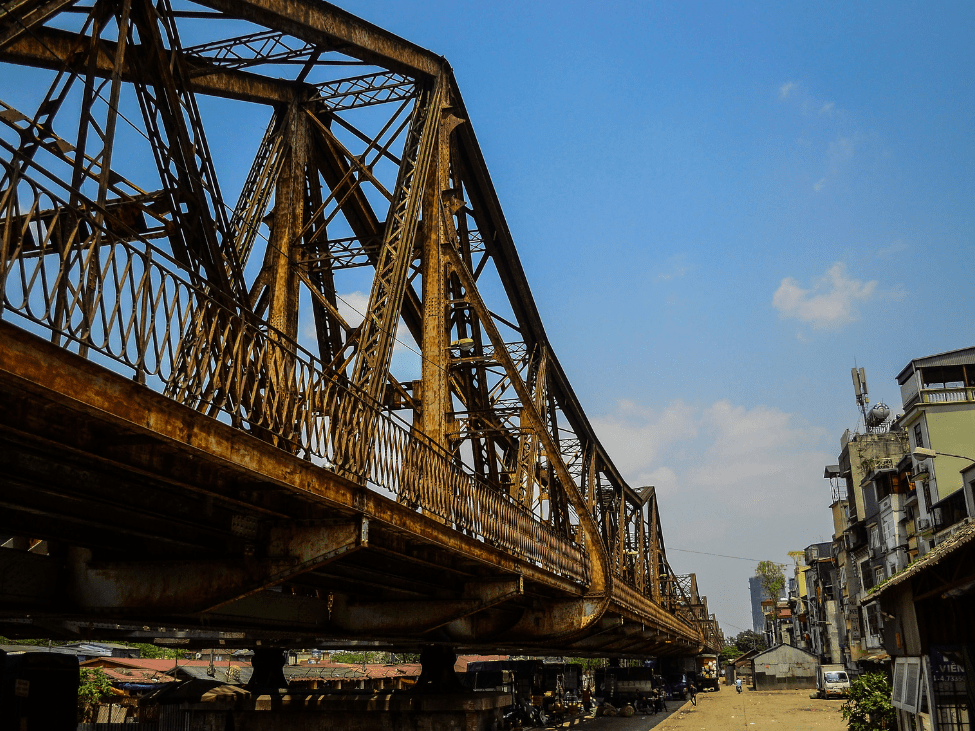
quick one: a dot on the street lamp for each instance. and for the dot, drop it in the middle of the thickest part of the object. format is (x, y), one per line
(922, 453)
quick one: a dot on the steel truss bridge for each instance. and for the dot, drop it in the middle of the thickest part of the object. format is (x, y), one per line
(203, 435)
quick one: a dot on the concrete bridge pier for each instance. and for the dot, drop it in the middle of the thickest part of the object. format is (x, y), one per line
(268, 664)
(437, 673)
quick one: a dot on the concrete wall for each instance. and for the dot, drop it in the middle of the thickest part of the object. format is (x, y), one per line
(951, 429)
(771, 682)
(833, 617)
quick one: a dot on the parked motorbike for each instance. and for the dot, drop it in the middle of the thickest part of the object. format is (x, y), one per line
(524, 715)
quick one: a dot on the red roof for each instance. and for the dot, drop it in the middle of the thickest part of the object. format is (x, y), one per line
(353, 670)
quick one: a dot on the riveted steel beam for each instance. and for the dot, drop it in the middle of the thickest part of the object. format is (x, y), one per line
(53, 48)
(396, 618)
(328, 26)
(200, 586)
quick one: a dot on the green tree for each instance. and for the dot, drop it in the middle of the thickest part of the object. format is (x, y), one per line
(772, 581)
(153, 652)
(729, 653)
(588, 663)
(355, 658)
(93, 687)
(868, 707)
(749, 640)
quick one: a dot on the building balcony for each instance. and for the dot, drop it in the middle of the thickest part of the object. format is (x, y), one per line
(855, 536)
(958, 394)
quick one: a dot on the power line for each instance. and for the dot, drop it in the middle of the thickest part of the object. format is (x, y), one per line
(719, 555)
(737, 627)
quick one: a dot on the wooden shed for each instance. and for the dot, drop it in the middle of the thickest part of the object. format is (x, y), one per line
(784, 667)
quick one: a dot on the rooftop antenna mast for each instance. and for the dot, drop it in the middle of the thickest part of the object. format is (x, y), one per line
(875, 420)
(860, 388)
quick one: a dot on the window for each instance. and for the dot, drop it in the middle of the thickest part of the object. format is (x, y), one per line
(874, 625)
(874, 537)
(918, 435)
(907, 682)
(926, 494)
(866, 575)
(878, 575)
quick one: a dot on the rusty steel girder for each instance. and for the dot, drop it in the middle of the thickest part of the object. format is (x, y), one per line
(251, 410)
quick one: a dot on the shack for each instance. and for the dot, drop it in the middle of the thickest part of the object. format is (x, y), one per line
(784, 667)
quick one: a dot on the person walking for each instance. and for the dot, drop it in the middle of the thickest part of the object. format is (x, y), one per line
(738, 684)
(693, 692)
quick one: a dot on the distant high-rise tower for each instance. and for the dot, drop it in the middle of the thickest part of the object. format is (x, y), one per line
(758, 619)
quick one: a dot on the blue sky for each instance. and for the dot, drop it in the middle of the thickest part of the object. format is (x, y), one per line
(721, 207)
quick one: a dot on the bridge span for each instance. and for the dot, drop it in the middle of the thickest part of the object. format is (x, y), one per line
(207, 433)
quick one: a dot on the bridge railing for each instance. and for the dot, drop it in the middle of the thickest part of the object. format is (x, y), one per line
(121, 301)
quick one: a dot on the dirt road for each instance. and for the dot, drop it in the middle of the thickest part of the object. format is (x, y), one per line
(725, 710)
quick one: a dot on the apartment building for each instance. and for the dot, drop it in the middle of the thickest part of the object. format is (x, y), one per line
(938, 398)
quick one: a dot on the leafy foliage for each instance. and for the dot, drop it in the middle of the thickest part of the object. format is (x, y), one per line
(771, 578)
(356, 658)
(37, 642)
(588, 663)
(94, 686)
(729, 653)
(151, 651)
(749, 640)
(868, 707)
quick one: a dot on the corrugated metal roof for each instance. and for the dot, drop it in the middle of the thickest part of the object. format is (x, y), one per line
(938, 553)
(239, 675)
(963, 356)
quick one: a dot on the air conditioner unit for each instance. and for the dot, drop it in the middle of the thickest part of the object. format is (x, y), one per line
(923, 523)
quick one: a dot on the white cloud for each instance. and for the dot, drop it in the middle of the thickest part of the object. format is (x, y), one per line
(820, 184)
(890, 252)
(640, 433)
(830, 302)
(786, 89)
(353, 307)
(827, 108)
(731, 479)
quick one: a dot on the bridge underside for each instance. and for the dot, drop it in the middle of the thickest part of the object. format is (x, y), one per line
(153, 521)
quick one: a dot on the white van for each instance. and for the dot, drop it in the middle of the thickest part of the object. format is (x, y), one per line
(832, 681)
